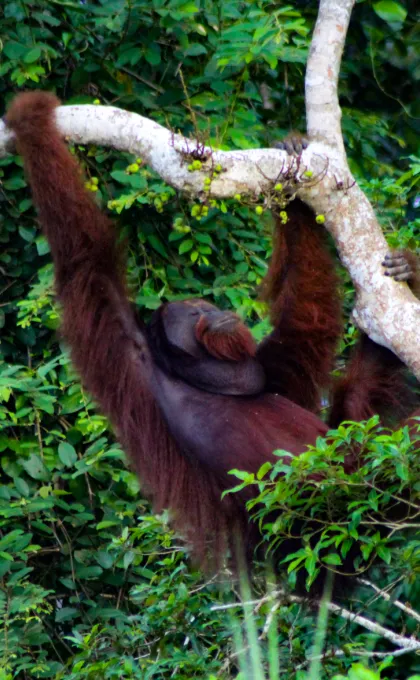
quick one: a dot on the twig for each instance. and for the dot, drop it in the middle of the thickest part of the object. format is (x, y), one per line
(386, 596)
(269, 620)
(407, 643)
(332, 653)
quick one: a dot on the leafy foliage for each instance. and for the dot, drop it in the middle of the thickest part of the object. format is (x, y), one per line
(93, 585)
(364, 514)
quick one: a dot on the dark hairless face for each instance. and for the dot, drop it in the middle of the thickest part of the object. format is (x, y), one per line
(191, 325)
(208, 348)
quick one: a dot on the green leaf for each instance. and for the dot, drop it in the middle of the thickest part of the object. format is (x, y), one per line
(5, 392)
(45, 491)
(239, 138)
(189, 8)
(104, 559)
(27, 234)
(157, 244)
(14, 183)
(148, 301)
(11, 538)
(25, 205)
(22, 487)
(89, 572)
(132, 56)
(185, 246)
(310, 564)
(14, 10)
(35, 467)
(66, 613)
(194, 50)
(138, 181)
(152, 54)
(359, 672)
(202, 237)
(14, 50)
(390, 11)
(121, 176)
(241, 474)
(384, 553)
(45, 402)
(71, 403)
(128, 558)
(295, 563)
(264, 469)
(402, 471)
(175, 236)
(19, 576)
(67, 454)
(42, 245)
(33, 55)
(6, 556)
(44, 17)
(333, 559)
(106, 524)
(46, 368)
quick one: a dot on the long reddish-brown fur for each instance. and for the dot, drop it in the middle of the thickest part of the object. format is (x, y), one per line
(231, 346)
(373, 383)
(182, 440)
(98, 323)
(301, 288)
(375, 380)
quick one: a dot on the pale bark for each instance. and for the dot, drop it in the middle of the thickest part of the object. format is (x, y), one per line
(250, 172)
(386, 310)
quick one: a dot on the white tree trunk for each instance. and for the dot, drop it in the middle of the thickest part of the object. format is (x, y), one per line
(386, 310)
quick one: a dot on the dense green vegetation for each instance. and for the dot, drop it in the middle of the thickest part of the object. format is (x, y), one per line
(93, 585)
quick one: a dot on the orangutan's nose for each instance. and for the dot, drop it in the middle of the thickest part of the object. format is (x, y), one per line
(224, 321)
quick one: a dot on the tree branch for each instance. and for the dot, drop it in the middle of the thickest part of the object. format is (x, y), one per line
(323, 114)
(386, 310)
(406, 608)
(409, 644)
(250, 172)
